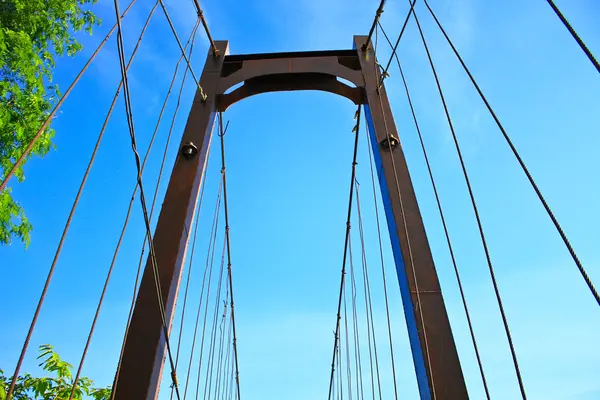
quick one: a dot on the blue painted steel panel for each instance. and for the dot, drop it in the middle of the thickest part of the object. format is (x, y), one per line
(409, 307)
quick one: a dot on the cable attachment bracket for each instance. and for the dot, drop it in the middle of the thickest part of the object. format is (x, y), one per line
(203, 96)
(390, 142)
(174, 379)
(189, 150)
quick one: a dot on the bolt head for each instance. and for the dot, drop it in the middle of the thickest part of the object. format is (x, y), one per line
(393, 143)
(189, 150)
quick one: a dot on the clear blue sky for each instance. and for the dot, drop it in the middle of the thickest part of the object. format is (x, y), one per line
(289, 160)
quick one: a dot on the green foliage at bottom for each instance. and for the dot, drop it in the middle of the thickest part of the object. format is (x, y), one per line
(58, 386)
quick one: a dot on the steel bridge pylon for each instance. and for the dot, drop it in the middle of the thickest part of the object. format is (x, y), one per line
(435, 357)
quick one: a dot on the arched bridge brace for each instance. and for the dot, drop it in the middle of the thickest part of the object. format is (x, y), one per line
(277, 72)
(437, 366)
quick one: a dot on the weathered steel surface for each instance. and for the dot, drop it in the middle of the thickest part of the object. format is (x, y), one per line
(438, 368)
(145, 348)
(434, 353)
(316, 70)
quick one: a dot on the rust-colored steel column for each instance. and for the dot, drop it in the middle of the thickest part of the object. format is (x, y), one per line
(437, 366)
(145, 348)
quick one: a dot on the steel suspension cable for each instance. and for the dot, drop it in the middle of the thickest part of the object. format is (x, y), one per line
(202, 94)
(476, 212)
(357, 355)
(205, 25)
(109, 274)
(369, 322)
(395, 46)
(228, 240)
(213, 335)
(383, 274)
(573, 33)
(129, 114)
(222, 343)
(60, 102)
(164, 158)
(211, 255)
(347, 342)
(339, 370)
(222, 384)
(418, 307)
(346, 242)
(216, 325)
(443, 219)
(211, 245)
(535, 187)
(228, 364)
(231, 391)
(70, 218)
(206, 313)
(367, 286)
(189, 274)
(374, 25)
(130, 207)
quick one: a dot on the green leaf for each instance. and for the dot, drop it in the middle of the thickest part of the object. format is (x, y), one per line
(2, 388)
(29, 387)
(32, 34)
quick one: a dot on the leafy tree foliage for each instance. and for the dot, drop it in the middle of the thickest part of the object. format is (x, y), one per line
(32, 34)
(52, 388)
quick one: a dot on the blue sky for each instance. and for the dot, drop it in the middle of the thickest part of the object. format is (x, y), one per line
(289, 158)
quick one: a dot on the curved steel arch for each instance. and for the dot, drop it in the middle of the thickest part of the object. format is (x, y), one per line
(435, 357)
(317, 70)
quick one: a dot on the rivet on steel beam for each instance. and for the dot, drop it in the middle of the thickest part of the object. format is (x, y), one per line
(189, 150)
(393, 143)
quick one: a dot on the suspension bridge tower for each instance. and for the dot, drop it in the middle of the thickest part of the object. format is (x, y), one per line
(434, 353)
(353, 73)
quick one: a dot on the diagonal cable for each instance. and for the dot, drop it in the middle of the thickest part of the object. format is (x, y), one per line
(129, 114)
(210, 258)
(213, 334)
(50, 116)
(126, 221)
(205, 25)
(383, 274)
(355, 323)
(346, 243)
(219, 353)
(73, 207)
(189, 274)
(109, 274)
(374, 25)
(222, 132)
(418, 306)
(477, 216)
(211, 245)
(439, 204)
(538, 192)
(347, 342)
(225, 329)
(573, 33)
(228, 363)
(166, 150)
(203, 95)
(367, 287)
(395, 46)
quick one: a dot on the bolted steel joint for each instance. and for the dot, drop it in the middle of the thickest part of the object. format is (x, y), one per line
(393, 142)
(189, 150)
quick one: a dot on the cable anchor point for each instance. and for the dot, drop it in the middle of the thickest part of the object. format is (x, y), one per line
(189, 150)
(390, 142)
